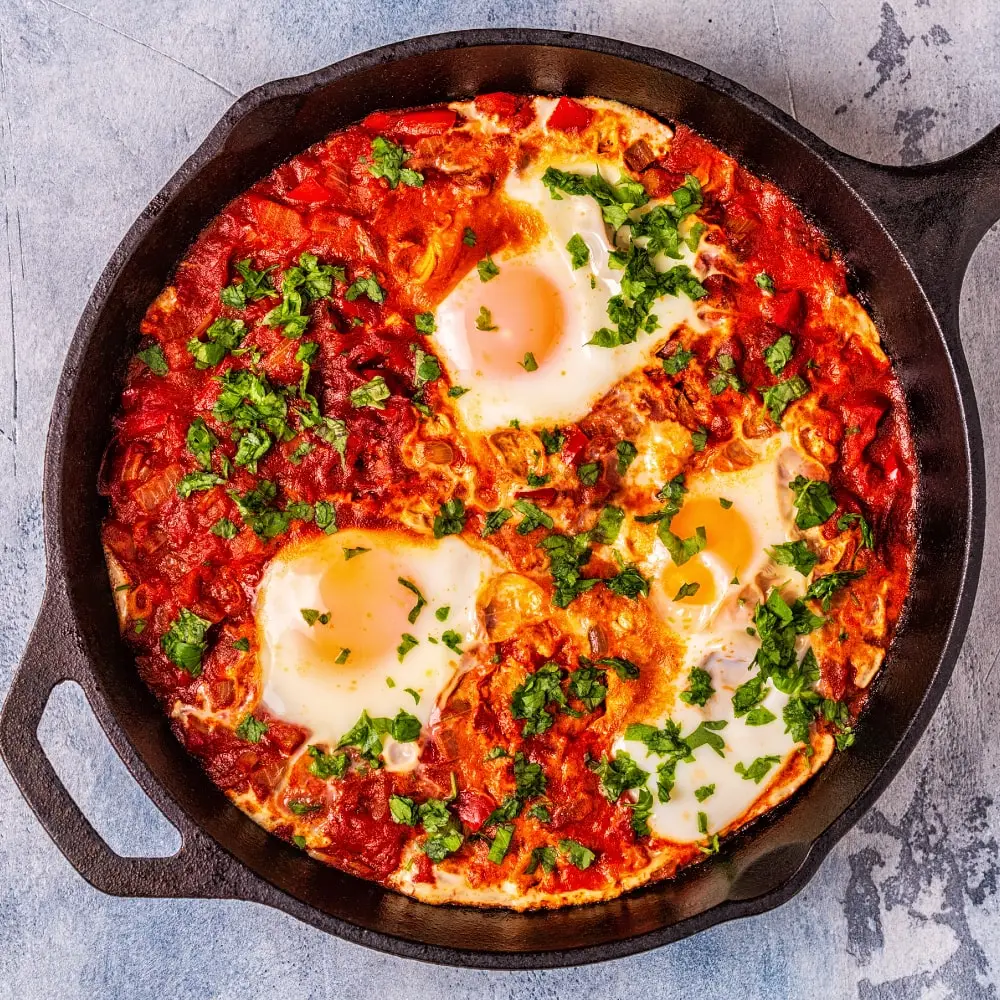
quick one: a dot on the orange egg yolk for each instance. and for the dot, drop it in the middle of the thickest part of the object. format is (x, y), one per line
(526, 313)
(728, 539)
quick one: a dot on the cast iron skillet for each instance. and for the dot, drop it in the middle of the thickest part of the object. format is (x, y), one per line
(908, 233)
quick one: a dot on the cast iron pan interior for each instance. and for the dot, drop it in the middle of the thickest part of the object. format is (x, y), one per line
(225, 854)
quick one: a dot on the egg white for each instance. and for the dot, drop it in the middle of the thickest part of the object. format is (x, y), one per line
(715, 639)
(575, 374)
(368, 608)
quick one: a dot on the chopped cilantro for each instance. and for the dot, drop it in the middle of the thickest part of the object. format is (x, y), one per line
(372, 393)
(388, 159)
(251, 729)
(487, 270)
(813, 502)
(699, 688)
(154, 359)
(495, 520)
(579, 252)
(797, 554)
(450, 520)
(184, 643)
(779, 354)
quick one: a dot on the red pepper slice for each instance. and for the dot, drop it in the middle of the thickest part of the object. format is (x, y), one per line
(785, 309)
(570, 116)
(545, 495)
(414, 124)
(500, 103)
(309, 191)
(576, 441)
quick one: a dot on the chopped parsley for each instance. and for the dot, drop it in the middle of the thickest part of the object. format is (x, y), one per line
(532, 517)
(311, 616)
(813, 503)
(450, 519)
(251, 729)
(608, 525)
(699, 688)
(765, 282)
(699, 439)
(642, 809)
(495, 520)
(327, 765)
(184, 643)
(587, 685)
(421, 600)
(350, 554)
(372, 393)
(779, 354)
(627, 453)
(618, 774)
(757, 770)
(452, 640)
(406, 643)
(224, 528)
(687, 590)
(778, 397)
(724, 376)
(426, 368)
(367, 286)
(154, 359)
(388, 159)
(424, 322)
(487, 269)
(541, 857)
(568, 554)
(674, 364)
(797, 554)
(589, 474)
(823, 588)
(867, 538)
(579, 856)
(579, 252)
(552, 441)
(704, 792)
(325, 516)
(500, 844)
(530, 699)
(255, 285)
(469, 237)
(195, 482)
(484, 321)
(529, 364)
(457, 390)
(224, 335)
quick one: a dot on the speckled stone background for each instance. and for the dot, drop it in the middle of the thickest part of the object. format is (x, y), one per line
(100, 101)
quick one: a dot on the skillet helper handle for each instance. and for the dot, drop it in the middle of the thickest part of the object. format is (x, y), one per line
(937, 213)
(198, 869)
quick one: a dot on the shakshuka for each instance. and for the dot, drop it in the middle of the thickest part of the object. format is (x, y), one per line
(509, 500)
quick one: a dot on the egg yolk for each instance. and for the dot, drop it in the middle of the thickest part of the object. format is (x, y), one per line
(367, 607)
(727, 537)
(526, 311)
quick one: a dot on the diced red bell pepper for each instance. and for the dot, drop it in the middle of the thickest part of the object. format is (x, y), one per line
(785, 309)
(474, 807)
(570, 116)
(545, 495)
(414, 124)
(277, 220)
(576, 441)
(309, 191)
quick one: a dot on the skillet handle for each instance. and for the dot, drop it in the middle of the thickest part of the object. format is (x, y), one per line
(937, 213)
(199, 869)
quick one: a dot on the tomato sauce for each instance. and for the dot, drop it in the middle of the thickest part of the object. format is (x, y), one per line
(327, 202)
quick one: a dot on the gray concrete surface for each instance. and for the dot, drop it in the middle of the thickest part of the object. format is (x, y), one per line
(100, 101)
